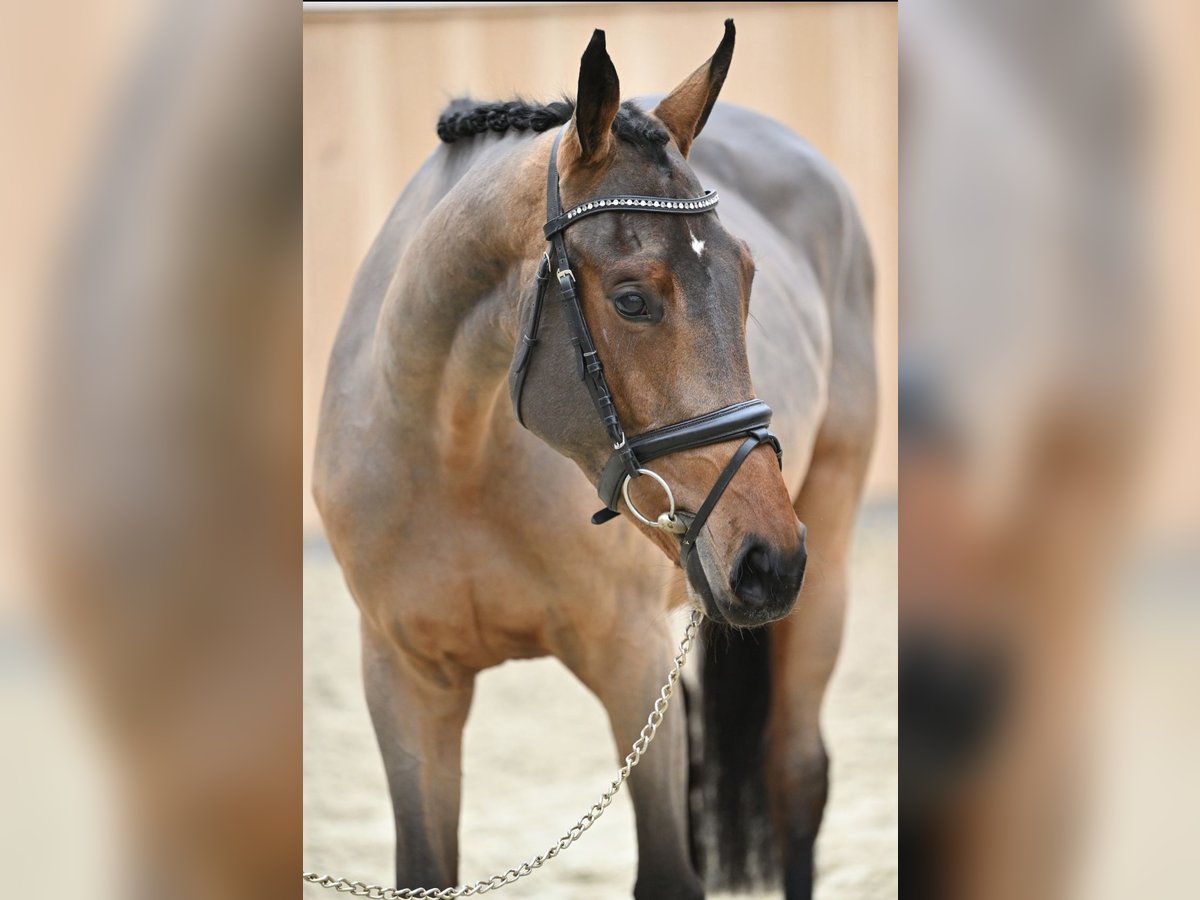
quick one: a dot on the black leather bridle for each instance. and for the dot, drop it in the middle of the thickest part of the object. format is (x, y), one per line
(748, 420)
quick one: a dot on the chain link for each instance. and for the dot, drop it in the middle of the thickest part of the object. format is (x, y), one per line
(377, 892)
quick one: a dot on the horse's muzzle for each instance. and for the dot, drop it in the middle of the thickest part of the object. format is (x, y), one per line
(762, 584)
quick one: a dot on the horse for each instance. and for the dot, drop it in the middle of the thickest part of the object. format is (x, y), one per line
(464, 536)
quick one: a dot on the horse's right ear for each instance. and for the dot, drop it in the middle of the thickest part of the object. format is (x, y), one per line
(685, 110)
(596, 102)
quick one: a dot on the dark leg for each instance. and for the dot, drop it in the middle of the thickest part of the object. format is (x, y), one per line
(810, 787)
(419, 713)
(804, 649)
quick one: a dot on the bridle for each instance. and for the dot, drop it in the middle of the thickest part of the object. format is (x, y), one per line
(748, 420)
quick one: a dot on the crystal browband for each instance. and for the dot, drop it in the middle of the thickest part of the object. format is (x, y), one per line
(643, 204)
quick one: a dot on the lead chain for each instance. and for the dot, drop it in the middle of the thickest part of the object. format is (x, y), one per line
(377, 892)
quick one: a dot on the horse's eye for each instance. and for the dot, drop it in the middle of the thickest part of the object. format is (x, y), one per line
(632, 306)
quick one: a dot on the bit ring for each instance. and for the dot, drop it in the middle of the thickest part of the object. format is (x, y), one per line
(668, 521)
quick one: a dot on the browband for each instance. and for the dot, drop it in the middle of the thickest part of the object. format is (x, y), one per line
(703, 203)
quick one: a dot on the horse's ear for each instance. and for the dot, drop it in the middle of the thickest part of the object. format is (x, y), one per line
(596, 101)
(685, 110)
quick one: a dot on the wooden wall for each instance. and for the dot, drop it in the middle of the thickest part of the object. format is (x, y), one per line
(374, 83)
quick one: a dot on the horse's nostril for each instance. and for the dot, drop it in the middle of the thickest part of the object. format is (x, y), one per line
(759, 560)
(762, 576)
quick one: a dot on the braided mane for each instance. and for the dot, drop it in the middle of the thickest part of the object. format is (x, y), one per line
(465, 118)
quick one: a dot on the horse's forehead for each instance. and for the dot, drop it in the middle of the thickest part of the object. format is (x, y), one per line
(647, 170)
(692, 247)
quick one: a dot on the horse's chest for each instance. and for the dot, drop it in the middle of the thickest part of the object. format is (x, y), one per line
(484, 590)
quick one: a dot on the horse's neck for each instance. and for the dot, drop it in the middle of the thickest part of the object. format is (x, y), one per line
(448, 326)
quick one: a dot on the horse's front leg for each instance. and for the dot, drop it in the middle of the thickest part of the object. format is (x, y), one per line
(804, 649)
(626, 671)
(803, 652)
(419, 711)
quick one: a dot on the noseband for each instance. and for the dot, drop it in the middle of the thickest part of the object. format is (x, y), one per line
(748, 420)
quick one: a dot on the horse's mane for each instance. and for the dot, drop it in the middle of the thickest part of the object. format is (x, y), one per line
(465, 117)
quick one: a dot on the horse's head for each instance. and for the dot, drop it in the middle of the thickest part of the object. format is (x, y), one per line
(665, 298)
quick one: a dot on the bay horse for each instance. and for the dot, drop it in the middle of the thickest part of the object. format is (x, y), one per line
(463, 536)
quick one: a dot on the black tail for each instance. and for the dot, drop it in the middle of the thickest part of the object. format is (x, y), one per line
(733, 845)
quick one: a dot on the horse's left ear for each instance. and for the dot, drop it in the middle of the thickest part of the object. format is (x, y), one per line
(685, 110)
(596, 103)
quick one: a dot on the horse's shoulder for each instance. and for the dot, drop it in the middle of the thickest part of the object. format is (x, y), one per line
(765, 159)
(796, 191)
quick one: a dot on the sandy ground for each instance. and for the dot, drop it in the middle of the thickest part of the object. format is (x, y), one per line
(538, 753)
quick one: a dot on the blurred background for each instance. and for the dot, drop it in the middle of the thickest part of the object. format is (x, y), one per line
(154, 421)
(1048, 608)
(375, 81)
(150, 524)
